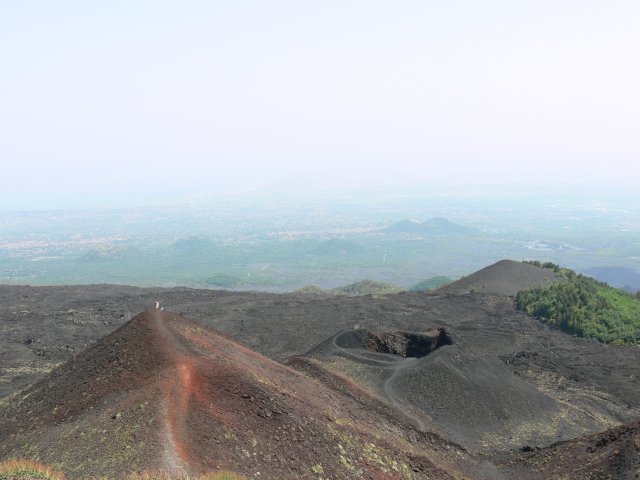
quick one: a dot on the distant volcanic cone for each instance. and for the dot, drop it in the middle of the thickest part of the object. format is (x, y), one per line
(165, 392)
(506, 277)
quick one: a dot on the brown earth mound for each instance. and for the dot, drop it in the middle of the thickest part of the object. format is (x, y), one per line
(505, 277)
(166, 392)
(611, 454)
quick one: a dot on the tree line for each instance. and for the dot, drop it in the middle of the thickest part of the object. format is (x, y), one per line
(584, 306)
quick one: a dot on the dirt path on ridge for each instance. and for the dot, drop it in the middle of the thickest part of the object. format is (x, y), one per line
(180, 390)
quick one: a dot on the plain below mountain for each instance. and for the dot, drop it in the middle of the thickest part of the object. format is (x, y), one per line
(619, 277)
(435, 226)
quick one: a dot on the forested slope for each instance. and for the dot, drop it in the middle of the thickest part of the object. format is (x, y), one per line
(585, 306)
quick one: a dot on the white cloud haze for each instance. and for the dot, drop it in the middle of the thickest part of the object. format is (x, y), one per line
(103, 101)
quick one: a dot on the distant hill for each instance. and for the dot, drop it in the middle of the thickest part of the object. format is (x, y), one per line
(405, 226)
(620, 277)
(367, 287)
(435, 226)
(506, 277)
(363, 287)
(192, 244)
(106, 253)
(314, 290)
(441, 225)
(430, 283)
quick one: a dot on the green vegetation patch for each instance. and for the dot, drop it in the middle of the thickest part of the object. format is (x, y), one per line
(585, 307)
(363, 287)
(367, 287)
(313, 290)
(225, 280)
(107, 253)
(431, 283)
(337, 246)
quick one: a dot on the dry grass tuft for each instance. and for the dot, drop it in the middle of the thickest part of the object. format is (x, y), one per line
(164, 475)
(28, 469)
(221, 475)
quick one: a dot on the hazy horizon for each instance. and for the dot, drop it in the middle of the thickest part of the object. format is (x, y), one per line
(137, 102)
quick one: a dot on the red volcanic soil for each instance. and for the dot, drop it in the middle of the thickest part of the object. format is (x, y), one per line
(166, 392)
(505, 277)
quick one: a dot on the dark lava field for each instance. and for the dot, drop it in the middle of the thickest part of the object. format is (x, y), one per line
(466, 366)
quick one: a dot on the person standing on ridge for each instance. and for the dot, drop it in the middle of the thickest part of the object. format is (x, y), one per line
(157, 305)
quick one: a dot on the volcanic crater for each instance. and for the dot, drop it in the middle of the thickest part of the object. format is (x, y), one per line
(407, 344)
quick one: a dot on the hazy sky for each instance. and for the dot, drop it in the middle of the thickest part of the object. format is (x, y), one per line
(104, 102)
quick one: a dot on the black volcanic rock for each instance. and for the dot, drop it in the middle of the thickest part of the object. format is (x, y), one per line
(506, 277)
